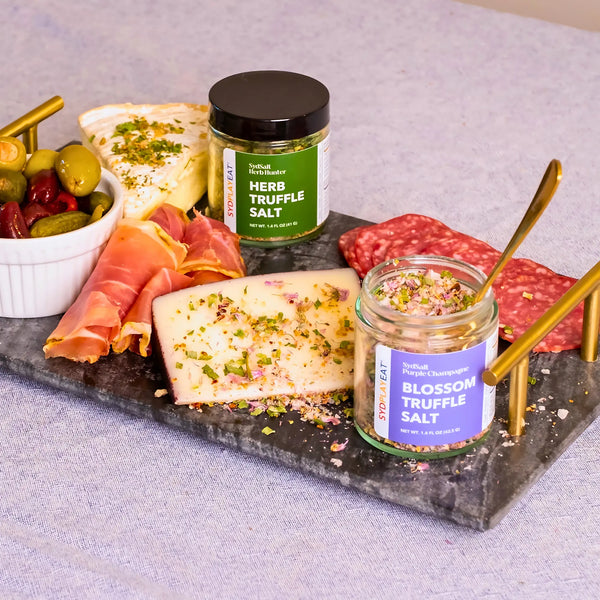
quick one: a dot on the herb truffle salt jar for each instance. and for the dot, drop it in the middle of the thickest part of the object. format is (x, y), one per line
(420, 350)
(268, 166)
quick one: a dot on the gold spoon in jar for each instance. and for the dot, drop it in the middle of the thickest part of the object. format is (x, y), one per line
(540, 201)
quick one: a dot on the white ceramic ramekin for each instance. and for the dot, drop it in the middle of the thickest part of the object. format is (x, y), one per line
(40, 277)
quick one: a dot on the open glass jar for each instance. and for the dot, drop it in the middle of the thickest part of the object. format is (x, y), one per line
(418, 391)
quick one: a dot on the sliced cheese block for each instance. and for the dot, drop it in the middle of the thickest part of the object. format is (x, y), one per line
(159, 153)
(258, 337)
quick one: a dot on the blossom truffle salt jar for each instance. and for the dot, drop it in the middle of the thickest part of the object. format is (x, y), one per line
(421, 346)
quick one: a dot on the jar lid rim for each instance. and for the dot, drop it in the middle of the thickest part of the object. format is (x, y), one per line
(268, 105)
(419, 261)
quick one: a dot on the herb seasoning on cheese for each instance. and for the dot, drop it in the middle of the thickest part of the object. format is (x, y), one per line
(159, 153)
(142, 143)
(268, 173)
(258, 337)
(421, 348)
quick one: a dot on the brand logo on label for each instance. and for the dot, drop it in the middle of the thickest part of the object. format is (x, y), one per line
(229, 188)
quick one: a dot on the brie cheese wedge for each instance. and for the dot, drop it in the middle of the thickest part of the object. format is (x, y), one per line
(159, 153)
(264, 336)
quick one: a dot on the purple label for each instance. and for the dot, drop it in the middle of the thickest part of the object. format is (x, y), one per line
(433, 399)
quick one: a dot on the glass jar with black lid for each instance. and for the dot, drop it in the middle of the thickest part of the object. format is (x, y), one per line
(268, 168)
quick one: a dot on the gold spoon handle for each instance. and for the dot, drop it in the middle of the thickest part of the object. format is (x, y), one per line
(33, 117)
(27, 124)
(540, 201)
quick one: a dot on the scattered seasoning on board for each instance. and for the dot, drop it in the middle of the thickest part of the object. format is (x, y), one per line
(319, 409)
(338, 447)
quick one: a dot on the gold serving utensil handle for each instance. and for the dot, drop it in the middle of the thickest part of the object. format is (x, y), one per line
(540, 201)
(27, 124)
(515, 359)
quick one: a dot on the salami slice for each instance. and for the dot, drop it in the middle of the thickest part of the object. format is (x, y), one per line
(346, 246)
(406, 234)
(363, 247)
(524, 291)
(466, 248)
(417, 233)
(383, 234)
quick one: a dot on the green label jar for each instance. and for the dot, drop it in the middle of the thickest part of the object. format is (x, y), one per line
(268, 173)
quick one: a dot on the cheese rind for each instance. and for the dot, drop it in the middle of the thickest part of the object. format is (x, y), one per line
(180, 179)
(257, 337)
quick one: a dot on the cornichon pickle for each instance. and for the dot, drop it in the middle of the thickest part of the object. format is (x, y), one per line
(60, 223)
(13, 186)
(96, 214)
(100, 199)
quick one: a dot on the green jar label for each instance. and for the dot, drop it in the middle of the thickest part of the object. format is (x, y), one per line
(276, 196)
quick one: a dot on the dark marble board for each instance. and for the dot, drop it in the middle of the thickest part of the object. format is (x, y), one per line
(475, 489)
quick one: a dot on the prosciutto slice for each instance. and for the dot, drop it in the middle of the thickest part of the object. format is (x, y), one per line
(212, 246)
(136, 330)
(213, 254)
(143, 260)
(172, 219)
(136, 251)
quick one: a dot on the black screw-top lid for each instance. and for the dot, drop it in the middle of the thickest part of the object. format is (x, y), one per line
(268, 106)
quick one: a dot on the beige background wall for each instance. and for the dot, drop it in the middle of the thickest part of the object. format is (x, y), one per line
(584, 14)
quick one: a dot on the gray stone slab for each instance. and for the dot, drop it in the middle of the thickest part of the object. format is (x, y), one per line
(475, 489)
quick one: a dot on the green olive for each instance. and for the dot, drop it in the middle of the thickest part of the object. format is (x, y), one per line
(78, 170)
(13, 186)
(40, 160)
(12, 153)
